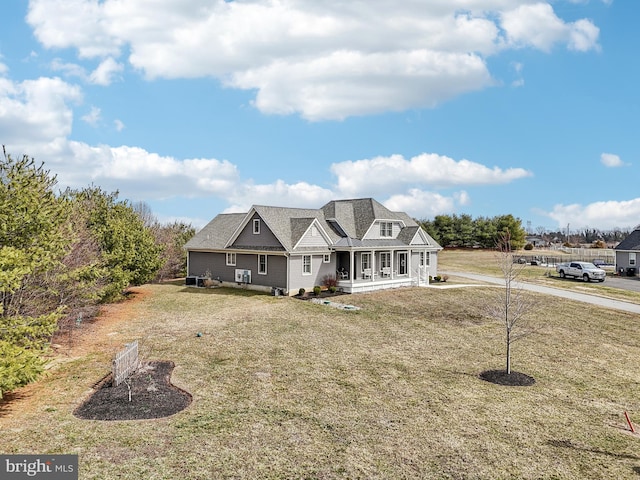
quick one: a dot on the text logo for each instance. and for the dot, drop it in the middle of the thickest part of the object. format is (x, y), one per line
(46, 467)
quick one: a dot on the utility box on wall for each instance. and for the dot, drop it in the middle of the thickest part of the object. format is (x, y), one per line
(243, 276)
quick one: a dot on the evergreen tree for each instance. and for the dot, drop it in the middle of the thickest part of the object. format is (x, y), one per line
(33, 241)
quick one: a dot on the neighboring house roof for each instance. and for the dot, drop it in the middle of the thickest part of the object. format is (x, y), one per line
(632, 242)
(342, 223)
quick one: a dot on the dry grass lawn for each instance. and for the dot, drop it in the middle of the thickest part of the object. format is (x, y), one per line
(288, 389)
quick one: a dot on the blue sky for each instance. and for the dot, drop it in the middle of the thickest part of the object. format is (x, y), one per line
(197, 107)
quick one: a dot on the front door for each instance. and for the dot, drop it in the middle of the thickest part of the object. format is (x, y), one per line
(402, 263)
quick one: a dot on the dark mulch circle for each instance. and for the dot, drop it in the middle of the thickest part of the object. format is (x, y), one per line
(513, 379)
(152, 396)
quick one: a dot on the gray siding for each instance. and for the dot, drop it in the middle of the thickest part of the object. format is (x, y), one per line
(623, 261)
(308, 240)
(215, 263)
(276, 271)
(374, 232)
(247, 239)
(201, 262)
(318, 271)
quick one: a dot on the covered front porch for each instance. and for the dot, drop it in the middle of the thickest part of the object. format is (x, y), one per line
(375, 269)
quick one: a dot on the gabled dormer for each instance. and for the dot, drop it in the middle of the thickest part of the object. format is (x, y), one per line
(309, 233)
(254, 232)
(384, 229)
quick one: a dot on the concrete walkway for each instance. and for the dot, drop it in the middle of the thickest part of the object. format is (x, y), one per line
(558, 292)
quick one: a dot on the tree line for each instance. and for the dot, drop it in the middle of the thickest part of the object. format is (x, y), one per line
(482, 232)
(63, 254)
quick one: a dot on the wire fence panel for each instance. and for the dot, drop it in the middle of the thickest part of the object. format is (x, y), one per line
(125, 363)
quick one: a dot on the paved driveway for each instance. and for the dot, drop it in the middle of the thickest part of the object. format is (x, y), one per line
(558, 292)
(624, 283)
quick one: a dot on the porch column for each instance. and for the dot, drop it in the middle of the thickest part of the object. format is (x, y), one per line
(393, 254)
(352, 266)
(373, 265)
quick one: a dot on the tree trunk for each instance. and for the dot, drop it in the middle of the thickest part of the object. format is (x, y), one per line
(508, 352)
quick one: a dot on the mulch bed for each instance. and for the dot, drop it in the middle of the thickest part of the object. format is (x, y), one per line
(513, 379)
(152, 396)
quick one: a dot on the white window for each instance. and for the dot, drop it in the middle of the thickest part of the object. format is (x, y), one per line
(366, 261)
(385, 259)
(632, 258)
(262, 264)
(306, 264)
(231, 259)
(256, 226)
(326, 258)
(427, 258)
(386, 229)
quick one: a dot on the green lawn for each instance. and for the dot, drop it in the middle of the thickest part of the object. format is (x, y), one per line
(288, 389)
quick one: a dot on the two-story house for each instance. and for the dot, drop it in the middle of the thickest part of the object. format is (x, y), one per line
(361, 243)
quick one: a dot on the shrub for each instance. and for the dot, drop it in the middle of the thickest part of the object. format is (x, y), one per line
(316, 290)
(332, 289)
(528, 246)
(329, 281)
(445, 278)
(437, 278)
(301, 291)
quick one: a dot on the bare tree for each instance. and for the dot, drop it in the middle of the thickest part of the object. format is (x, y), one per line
(511, 304)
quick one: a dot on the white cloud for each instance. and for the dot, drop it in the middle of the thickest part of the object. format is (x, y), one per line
(93, 117)
(279, 193)
(604, 214)
(611, 160)
(106, 72)
(119, 125)
(422, 204)
(139, 174)
(378, 175)
(36, 111)
(322, 60)
(538, 26)
(68, 69)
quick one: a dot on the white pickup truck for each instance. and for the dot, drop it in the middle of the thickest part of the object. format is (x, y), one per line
(587, 271)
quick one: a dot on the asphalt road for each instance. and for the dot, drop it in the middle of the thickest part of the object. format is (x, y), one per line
(622, 283)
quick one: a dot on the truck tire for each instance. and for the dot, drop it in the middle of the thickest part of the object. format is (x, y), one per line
(586, 278)
(561, 272)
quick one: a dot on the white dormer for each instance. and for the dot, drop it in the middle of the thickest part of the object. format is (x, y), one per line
(384, 229)
(314, 236)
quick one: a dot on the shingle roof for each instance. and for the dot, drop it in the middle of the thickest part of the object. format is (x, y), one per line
(217, 232)
(289, 224)
(354, 216)
(632, 242)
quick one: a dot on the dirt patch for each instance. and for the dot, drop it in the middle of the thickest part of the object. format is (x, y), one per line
(147, 394)
(513, 379)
